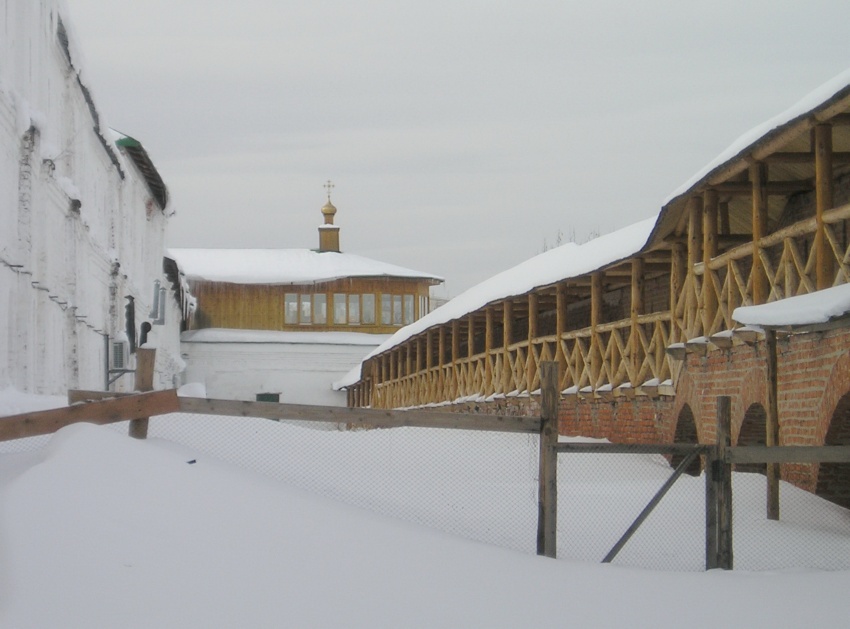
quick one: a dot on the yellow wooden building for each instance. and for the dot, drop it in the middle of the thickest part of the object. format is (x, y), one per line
(303, 289)
(287, 323)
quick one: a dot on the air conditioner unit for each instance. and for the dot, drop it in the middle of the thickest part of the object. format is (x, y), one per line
(119, 355)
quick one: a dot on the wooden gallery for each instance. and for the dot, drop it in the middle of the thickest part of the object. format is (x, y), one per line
(649, 325)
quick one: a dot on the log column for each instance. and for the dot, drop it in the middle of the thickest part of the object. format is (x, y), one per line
(429, 364)
(692, 302)
(758, 178)
(441, 349)
(709, 251)
(595, 319)
(488, 352)
(824, 201)
(507, 338)
(678, 273)
(456, 358)
(470, 352)
(561, 327)
(533, 317)
(636, 357)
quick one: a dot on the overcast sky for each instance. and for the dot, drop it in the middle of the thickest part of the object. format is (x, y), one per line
(460, 135)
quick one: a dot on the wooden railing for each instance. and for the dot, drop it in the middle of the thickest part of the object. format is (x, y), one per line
(786, 258)
(596, 360)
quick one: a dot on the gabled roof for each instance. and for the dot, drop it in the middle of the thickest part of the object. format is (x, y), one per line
(285, 266)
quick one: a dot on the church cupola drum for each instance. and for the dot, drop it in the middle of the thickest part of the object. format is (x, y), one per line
(328, 232)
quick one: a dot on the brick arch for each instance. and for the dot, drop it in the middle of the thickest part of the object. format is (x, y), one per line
(753, 433)
(753, 392)
(686, 432)
(686, 396)
(837, 387)
(834, 478)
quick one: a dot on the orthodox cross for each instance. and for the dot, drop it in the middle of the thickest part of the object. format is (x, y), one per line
(329, 186)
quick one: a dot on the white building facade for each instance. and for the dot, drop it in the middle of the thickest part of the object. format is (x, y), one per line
(83, 216)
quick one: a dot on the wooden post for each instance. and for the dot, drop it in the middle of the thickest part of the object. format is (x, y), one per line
(595, 319)
(709, 251)
(772, 426)
(470, 337)
(758, 178)
(547, 502)
(488, 352)
(824, 202)
(561, 324)
(723, 478)
(691, 313)
(456, 358)
(507, 337)
(712, 462)
(455, 341)
(636, 310)
(530, 362)
(145, 360)
(678, 272)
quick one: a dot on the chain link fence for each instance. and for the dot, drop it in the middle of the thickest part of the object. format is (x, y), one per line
(600, 495)
(478, 485)
(811, 532)
(483, 486)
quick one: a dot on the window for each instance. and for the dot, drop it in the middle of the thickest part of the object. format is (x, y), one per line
(397, 318)
(408, 309)
(306, 310)
(354, 309)
(320, 308)
(340, 314)
(386, 309)
(369, 309)
(290, 308)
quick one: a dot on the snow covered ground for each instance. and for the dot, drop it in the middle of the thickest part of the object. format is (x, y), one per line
(99, 530)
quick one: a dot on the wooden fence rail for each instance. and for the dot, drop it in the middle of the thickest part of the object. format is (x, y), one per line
(107, 411)
(362, 417)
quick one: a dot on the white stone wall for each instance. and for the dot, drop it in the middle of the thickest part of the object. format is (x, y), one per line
(79, 228)
(302, 373)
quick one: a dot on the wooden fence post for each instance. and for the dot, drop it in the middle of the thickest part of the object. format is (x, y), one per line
(547, 513)
(711, 462)
(724, 483)
(145, 359)
(718, 493)
(772, 427)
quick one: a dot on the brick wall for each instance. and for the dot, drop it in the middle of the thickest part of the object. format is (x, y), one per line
(814, 378)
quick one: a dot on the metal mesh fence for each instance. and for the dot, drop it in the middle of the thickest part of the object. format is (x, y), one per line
(601, 495)
(811, 532)
(477, 485)
(483, 486)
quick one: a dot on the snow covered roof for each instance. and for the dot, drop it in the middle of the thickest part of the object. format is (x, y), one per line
(285, 266)
(564, 262)
(816, 308)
